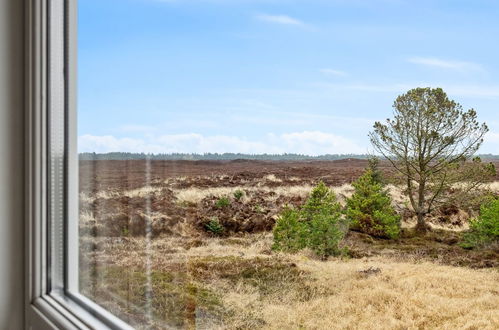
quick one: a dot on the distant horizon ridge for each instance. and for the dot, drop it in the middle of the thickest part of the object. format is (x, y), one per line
(226, 156)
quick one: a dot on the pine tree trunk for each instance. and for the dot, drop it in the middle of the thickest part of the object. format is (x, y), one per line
(421, 225)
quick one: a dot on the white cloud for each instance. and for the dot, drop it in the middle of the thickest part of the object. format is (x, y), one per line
(306, 142)
(279, 19)
(446, 64)
(319, 143)
(332, 72)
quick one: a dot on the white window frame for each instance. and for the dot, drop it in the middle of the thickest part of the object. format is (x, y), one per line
(52, 297)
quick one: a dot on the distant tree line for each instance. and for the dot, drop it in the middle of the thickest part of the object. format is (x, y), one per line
(227, 156)
(211, 156)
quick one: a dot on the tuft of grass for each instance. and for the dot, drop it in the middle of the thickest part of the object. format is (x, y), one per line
(238, 194)
(258, 208)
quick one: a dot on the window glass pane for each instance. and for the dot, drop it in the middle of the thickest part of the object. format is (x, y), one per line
(218, 142)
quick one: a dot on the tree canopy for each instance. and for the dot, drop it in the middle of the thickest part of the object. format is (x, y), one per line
(427, 141)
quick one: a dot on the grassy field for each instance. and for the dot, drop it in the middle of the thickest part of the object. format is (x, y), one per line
(239, 283)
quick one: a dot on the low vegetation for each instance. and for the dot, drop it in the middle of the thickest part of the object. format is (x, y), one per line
(222, 202)
(238, 194)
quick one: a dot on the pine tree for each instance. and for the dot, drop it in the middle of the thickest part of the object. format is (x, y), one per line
(369, 209)
(319, 225)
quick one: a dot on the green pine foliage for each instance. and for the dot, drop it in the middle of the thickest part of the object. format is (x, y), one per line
(214, 226)
(369, 209)
(318, 225)
(290, 232)
(485, 229)
(321, 201)
(373, 165)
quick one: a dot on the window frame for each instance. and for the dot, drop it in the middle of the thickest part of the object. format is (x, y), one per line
(52, 300)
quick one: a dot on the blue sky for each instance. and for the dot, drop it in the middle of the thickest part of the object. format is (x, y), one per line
(274, 75)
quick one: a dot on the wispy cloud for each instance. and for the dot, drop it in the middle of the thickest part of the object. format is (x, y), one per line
(332, 72)
(475, 91)
(279, 19)
(446, 64)
(305, 142)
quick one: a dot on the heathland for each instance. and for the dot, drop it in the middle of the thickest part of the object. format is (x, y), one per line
(188, 244)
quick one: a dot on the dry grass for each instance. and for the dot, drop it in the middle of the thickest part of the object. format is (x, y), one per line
(86, 217)
(271, 178)
(343, 192)
(403, 296)
(143, 191)
(494, 187)
(462, 226)
(304, 293)
(195, 195)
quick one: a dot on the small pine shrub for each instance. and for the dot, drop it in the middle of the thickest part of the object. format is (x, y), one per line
(369, 209)
(222, 202)
(326, 230)
(214, 226)
(238, 194)
(485, 229)
(373, 165)
(321, 201)
(318, 225)
(289, 232)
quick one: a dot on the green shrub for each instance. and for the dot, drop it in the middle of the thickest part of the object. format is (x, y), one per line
(484, 229)
(222, 202)
(318, 225)
(289, 231)
(369, 209)
(325, 233)
(214, 226)
(321, 201)
(238, 194)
